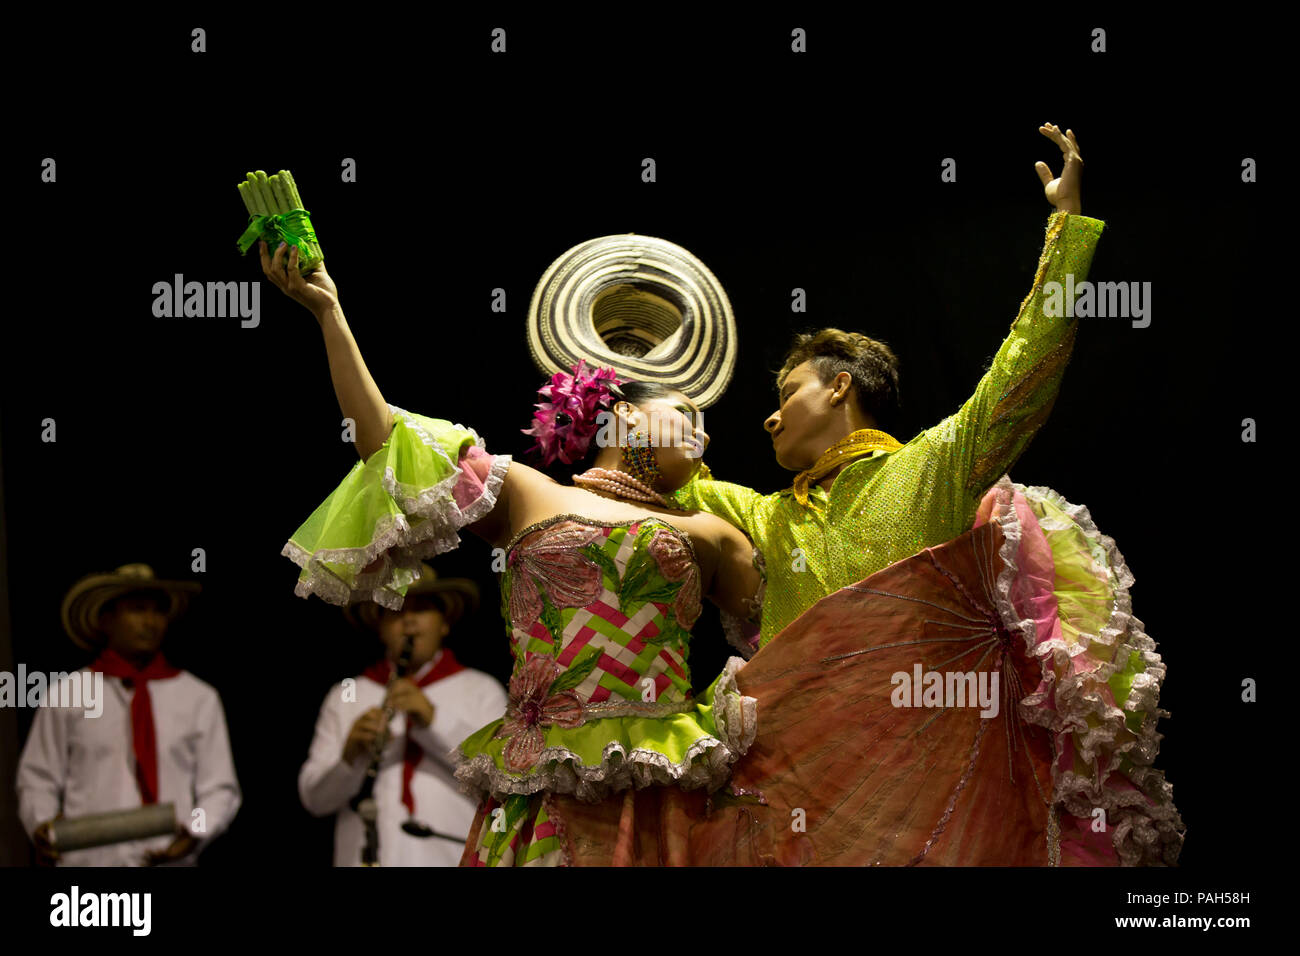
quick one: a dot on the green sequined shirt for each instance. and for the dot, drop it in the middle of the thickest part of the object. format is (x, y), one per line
(887, 506)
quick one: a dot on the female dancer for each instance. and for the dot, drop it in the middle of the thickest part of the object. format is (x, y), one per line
(602, 747)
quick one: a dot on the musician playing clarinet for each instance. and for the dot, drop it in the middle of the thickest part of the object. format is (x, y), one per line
(396, 771)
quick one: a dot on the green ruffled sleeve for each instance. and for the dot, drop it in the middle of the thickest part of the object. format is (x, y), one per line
(404, 504)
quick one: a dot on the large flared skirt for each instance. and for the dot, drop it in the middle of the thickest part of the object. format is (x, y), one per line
(987, 702)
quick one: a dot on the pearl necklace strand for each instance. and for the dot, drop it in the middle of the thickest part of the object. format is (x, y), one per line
(621, 484)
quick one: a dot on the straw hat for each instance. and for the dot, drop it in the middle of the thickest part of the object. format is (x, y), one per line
(643, 306)
(83, 604)
(455, 594)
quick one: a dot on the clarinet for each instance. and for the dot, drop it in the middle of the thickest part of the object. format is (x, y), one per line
(364, 802)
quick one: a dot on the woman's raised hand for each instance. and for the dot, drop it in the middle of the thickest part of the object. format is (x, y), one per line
(316, 291)
(1063, 192)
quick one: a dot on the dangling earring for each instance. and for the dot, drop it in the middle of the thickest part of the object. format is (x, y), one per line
(640, 458)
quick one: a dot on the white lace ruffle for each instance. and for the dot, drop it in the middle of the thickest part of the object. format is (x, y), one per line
(707, 762)
(735, 714)
(733, 629)
(1142, 834)
(428, 527)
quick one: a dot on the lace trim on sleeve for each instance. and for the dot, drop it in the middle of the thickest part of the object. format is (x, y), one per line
(427, 528)
(735, 715)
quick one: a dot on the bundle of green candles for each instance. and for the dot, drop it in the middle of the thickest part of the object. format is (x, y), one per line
(277, 215)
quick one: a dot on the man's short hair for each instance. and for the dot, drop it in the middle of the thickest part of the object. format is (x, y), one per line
(871, 363)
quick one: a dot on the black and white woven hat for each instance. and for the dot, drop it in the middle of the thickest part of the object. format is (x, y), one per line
(643, 306)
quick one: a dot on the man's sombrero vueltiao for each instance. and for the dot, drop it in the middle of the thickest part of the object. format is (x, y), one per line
(84, 602)
(455, 595)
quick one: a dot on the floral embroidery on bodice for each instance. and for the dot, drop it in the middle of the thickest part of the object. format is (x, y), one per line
(598, 614)
(599, 618)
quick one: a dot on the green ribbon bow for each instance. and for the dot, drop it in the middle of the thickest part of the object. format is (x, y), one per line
(293, 227)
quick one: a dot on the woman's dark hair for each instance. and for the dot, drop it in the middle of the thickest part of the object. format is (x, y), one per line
(563, 428)
(638, 392)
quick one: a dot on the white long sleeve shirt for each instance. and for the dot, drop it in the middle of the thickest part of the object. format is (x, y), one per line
(78, 765)
(463, 703)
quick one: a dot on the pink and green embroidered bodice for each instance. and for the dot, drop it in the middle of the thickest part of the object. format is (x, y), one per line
(598, 616)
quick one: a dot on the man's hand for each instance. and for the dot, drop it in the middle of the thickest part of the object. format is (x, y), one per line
(316, 291)
(363, 734)
(407, 698)
(46, 854)
(180, 847)
(1064, 192)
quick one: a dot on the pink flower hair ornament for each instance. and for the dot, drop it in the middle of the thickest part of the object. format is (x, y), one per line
(565, 424)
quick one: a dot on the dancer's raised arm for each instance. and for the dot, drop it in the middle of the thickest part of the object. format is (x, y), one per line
(359, 397)
(1013, 399)
(420, 480)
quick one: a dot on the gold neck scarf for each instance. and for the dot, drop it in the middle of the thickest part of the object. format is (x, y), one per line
(851, 446)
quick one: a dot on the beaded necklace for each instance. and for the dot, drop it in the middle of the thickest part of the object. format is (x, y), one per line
(620, 483)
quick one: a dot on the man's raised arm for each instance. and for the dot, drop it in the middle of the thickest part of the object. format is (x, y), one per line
(1016, 394)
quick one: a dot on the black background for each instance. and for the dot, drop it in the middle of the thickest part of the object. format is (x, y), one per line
(778, 171)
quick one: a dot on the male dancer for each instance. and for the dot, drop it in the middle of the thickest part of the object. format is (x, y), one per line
(863, 500)
(1083, 794)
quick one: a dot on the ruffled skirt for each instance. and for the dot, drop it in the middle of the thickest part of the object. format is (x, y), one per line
(884, 739)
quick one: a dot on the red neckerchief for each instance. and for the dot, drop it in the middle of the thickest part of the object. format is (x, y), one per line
(378, 672)
(144, 739)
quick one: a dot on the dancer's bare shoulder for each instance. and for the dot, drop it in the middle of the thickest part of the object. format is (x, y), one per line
(528, 496)
(524, 491)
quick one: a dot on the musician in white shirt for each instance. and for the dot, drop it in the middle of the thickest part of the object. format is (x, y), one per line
(161, 736)
(425, 819)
